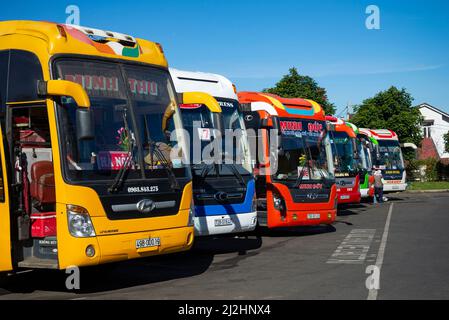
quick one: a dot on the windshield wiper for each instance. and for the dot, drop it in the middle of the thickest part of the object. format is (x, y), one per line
(301, 175)
(299, 180)
(236, 173)
(154, 149)
(174, 184)
(120, 177)
(314, 166)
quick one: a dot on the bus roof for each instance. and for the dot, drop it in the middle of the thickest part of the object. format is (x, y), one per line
(53, 38)
(216, 85)
(380, 134)
(341, 125)
(284, 107)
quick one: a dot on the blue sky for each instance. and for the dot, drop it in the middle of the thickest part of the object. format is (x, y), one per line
(255, 42)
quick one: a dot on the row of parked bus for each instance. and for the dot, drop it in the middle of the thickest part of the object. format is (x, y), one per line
(106, 154)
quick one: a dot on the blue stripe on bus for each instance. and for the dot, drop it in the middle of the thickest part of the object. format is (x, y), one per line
(300, 112)
(215, 210)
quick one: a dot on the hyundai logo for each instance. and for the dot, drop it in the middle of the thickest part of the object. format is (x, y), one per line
(221, 196)
(248, 118)
(145, 206)
(312, 196)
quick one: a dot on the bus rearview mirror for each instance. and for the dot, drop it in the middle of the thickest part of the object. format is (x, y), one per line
(200, 98)
(85, 129)
(218, 121)
(64, 88)
(264, 124)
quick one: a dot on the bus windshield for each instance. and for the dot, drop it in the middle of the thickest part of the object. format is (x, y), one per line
(236, 146)
(198, 122)
(134, 109)
(305, 151)
(390, 155)
(343, 153)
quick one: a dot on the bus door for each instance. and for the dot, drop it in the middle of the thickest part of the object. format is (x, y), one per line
(5, 226)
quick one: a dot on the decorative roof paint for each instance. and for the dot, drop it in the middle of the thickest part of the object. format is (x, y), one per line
(383, 134)
(342, 126)
(284, 106)
(112, 46)
(369, 134)
(353, 127)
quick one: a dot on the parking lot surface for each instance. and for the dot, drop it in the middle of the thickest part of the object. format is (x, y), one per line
(395, 250)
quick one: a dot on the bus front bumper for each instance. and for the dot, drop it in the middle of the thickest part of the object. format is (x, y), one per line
(120, 247)
(297, 218)
(224, 224)
(344, 197)
(394, 187)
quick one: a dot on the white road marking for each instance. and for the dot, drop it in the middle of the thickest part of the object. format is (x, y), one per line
(354, 248)
(372, 295)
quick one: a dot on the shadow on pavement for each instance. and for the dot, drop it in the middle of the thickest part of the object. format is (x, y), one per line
(295, 232)
(352, 209)
(134, 272)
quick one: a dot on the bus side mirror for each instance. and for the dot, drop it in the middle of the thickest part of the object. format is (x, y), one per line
(85, 129)
(200, 98)
(61, 88)
(217, 119)
(354, 146)
(265, 124)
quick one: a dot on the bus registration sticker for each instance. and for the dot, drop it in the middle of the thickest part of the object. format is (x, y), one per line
(147, 243)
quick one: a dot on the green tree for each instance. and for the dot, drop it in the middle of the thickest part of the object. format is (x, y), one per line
(446, 142)
(294, 85)
(391, 109)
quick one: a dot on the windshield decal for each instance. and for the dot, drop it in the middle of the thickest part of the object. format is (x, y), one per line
(300, 128)
(97, 85)
(111, 160)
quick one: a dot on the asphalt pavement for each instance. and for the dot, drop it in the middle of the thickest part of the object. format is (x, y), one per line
(394, 250)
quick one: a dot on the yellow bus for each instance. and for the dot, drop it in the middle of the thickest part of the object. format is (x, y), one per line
(89, 123)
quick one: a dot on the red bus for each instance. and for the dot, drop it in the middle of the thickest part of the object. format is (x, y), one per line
(346, 161)
(292, 156)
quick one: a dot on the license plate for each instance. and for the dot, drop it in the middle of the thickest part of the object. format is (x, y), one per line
(147, 243)
(395, 187)
(223, 222)
(344, 197)
(313, 216)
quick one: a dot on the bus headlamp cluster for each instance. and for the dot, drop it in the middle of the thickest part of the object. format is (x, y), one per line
(278, 202)
(80, 224)
(254, 204)
(191, 221)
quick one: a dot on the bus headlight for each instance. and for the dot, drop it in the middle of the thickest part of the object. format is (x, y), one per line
(254, 204)
(191, 221)
(278, 202)
(80, 224)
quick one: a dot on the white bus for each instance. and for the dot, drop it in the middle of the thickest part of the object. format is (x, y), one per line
(224, 193)
(389, 159)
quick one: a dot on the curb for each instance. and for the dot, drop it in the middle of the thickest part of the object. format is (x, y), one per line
(427, 191)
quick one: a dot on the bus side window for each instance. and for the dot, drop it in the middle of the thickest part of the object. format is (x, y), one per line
(31, 134)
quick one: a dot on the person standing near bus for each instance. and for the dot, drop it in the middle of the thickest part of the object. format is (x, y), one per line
(378, 186)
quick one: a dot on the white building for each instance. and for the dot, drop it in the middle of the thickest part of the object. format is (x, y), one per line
(435, 126)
